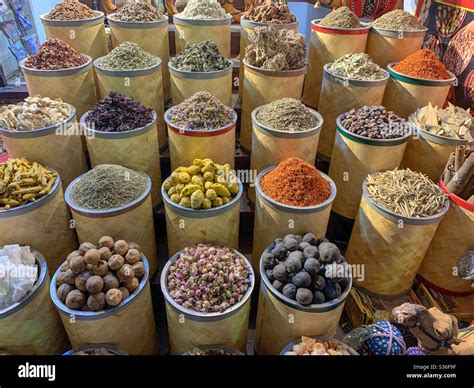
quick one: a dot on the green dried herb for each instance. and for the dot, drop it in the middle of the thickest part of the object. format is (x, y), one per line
(341, 17)
(357, 66)
(128, 56)
(204, 56)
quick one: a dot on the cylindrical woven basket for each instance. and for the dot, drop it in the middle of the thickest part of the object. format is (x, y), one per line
(185, 83)
(76, 86)
(86, 36)
(353, 158)
(58, 146)
(262, 87)
(132, 223)
(405, 94)
(188, 329)
(186, 227)
(281, 319)
(192, 31)
(32, 326)
(391, 247)
(339, 95)
(274, 219)
(129, 326)
(43, 224)
(187, 145)
(136, 149)
(327, 45)
(151, 36)
(111, 348)
(144, 85)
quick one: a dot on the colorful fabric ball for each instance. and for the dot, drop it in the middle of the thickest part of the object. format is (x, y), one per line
(414, 351)
(384, 339)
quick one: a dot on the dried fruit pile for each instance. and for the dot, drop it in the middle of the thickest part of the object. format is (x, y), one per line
(316, 347)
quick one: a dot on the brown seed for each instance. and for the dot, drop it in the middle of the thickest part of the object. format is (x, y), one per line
(81, 280)
(106, 241)
(115, 262)
(139, 269)
(94, 284)
(84, 247)
(101, 268)
(132, 256)
(113, 297)
(77, 264)
(131, 284)
(96, 302)
(105, 253)
(125, 292)
(125, 273)
(120, 247)
(92, 256)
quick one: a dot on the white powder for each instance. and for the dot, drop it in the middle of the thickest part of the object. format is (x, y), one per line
(203, 10)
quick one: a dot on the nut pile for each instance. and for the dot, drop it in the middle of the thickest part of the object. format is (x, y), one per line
(203, 185)
(137, 11)
(270, 12)
(95, 278)
(307, 269)
(70, 10)
(208, 278)
(316, 347)
(212, 352)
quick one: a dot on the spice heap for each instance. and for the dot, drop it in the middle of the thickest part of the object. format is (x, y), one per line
(307, 269)
(274, 49)
(33, 113)
(22, 181)
(458, 177)
(405, 192)
(95, 352)
(398, 20)
(287, 114)
(203, 10)
(296, 183)
(201, 112)
(208, 278)
(423, 64)
(341, 17)
(375, 122)
(453, 122)
(18, 274)
(128, 56)
(204, 57)
(272, 12)
(54, 54)
(212, 352)
(108, 186)
(203, 185)
(70, 10)
(137, 11)
(118, 113)
(316, 347)
(357, 66)
(99, 277)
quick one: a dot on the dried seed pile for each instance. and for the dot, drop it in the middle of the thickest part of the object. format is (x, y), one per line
(398, 20)
(357, 66)
(55, 54)
(341, 17)
(203, 57)
(203, 10)
(137, 11)
(70, 10)
(128, 56)
(272, 12)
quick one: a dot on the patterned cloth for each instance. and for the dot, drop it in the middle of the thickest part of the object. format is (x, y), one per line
(414, 351)
(384, 339)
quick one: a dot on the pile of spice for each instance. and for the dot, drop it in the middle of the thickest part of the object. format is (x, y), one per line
(213, 352)
(398, 20)
(375, 122)
(22, 181)
(70, 10)
(128, 56)
(296, 183)
(203, 10)
(137, 11)
(95, 352)
(307, 269)
(458, 177)
(201, 112)
(316, 347)
(287, 114)
(357, 66)
(208, 278)
(453, 122)
(33, 113)
(405, 192)
(341, 17)
(203, 57)
(272, 12)
(423, 64)
(55, 54)
(108, 186)
(274, 49)
(203, 185)
(118, 113)
(96, 278)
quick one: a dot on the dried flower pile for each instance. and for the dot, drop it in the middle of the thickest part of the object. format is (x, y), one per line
(70, 10)
(202, 57)
(137, 11)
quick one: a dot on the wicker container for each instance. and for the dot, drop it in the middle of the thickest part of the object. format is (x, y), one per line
(111, 348)
(391, 247)
(144, 85)
(289, 347)
(353, 158)
(192, 31)
(187, 145)
(262, 87)
(327, 45)
(32, 326)
(132, 223)
(151, 36)
(185, 83)
(76, 85)
(136, 149)
(189, 329)
(129, 326)
(339, 95)
(405, 94)
(186, 227)
(281, 319)
(274, 219)
(43, 224)
(86, 36)
(58, 146)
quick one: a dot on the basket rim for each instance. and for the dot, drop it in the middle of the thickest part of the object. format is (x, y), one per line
(419, 81)
(276, 73)
(126, 73)
(392, 32)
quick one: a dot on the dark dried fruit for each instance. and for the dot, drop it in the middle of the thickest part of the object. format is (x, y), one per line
(304, 296)
(302, 279)
(289, 291)
(312, 266)
(279, 272)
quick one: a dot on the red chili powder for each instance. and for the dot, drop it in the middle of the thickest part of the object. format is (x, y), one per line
(423, 64)
(296, 183)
